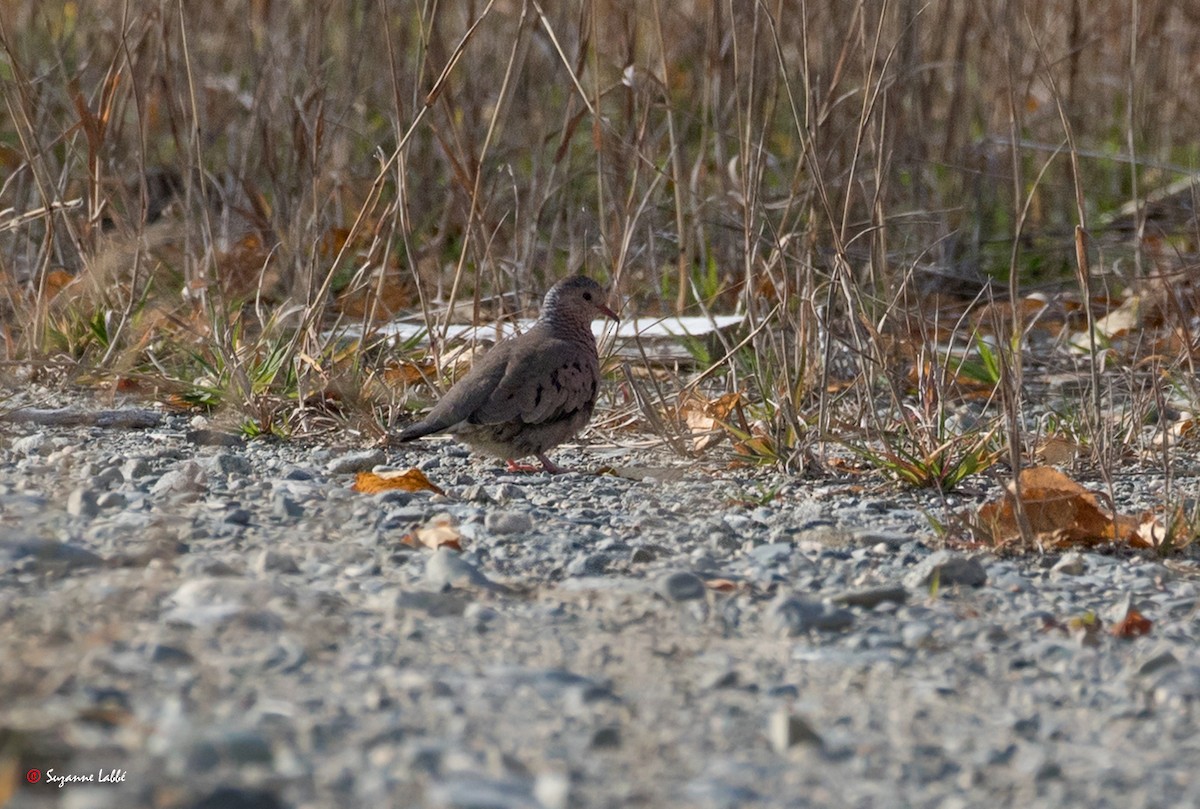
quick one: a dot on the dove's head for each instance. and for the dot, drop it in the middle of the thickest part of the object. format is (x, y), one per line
(576, 300)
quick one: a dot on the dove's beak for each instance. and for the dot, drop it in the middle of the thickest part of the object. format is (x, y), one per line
(607, 312)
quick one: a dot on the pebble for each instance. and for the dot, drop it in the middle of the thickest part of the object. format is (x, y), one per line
(682, 585)
(471, 791)
(352, 462)
(508, 522)
(214, 438)
(135, 468)
(1070, 564)
(82, 503)
(271, 561)
(772, 553)
(786, 730)
(915, 634)
(447, 568)
(243, 618)
(46, 555)
(33, 444)
(226, 463)
(189, 477)
(792, 616)
(285, 507)
(872, 597)
(112, 500)
(946, 569)
(238, 798)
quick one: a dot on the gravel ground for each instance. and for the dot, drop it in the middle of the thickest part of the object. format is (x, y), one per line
(190, 625)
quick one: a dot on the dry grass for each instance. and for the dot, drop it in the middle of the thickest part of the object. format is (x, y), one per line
(193, 194)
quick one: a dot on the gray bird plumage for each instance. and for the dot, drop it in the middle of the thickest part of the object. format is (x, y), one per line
(529, 393)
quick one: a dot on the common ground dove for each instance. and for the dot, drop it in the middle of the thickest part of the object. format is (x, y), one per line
(532, 392)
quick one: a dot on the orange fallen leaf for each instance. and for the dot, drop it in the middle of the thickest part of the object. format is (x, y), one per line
(412, 480)
(706, 418)
(1133, 625)
(721, 585)
(440, 532)
(56, 282)
(409, 373)
(1061, 513)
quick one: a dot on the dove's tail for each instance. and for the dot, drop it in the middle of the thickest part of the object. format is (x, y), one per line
(414, 431)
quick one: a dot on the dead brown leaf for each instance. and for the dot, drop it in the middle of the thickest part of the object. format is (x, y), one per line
(440, 532)
(721, 585)
(408, 373)
(411, 480)
(1061, 513)
(1133, 625)
(56, 281)
(706, 418)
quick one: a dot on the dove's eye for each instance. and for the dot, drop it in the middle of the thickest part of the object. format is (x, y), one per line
(587, 296)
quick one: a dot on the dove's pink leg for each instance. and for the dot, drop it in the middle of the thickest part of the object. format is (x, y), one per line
(550, 466)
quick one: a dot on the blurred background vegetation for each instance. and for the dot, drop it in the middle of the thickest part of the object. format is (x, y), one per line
(193, 194)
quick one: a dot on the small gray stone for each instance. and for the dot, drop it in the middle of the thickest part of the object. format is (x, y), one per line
(872, 597)
(915, 634)
(682, 585)
(946, 569)
(785, 730)
(467, 790)
(82, 503)
(169, 655)
(508, 491)
(434, 605)
(553, 790)
(112, 500)
(792, 616)
(226, 463)
(109, 476)
(641, 556)
(588, 564)
(188, 477)
(606, 738)
(721, 678)
(446, 568)
(46, 554)
(1071, 564)
(238, 516)
(833, 619)
(353, 462)
(214, 438)
(1157, 663)
(476, 493)
(508, 522)
(772, 553)
(238, 798)
(285, 507)
(34, 444)
(275, 561)
(1176, 687)
(135, 468)
(394, 497)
